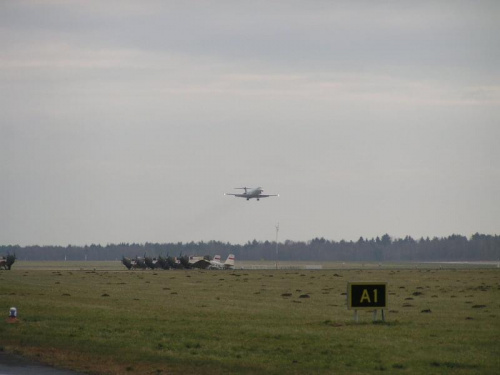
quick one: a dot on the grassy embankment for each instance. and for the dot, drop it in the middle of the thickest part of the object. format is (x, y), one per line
(258, 321)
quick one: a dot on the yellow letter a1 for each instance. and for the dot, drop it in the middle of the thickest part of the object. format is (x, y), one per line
(365, 296)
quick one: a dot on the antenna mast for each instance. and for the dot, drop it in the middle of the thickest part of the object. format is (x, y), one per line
(277, 230)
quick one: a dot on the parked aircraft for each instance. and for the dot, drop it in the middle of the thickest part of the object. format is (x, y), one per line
(181, 262)
(7, 262)
(195, 259)
(252, 193)
(215, 264)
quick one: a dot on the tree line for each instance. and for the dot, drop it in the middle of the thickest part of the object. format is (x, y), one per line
(478, 247)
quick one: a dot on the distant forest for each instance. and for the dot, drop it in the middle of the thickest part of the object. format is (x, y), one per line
(479, 247)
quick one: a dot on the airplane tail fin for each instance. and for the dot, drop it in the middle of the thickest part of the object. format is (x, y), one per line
(229, 261)
(217, 258)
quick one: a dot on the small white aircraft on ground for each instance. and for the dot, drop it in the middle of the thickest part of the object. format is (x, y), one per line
(252, 193)
(215, 264)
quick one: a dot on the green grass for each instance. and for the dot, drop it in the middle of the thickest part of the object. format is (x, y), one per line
(211, 322)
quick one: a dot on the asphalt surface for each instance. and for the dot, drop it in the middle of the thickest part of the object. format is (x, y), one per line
(11, 364)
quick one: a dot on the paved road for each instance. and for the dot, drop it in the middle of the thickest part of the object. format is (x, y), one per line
(15, 365)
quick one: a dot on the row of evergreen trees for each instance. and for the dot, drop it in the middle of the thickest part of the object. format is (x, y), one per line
(479, 247)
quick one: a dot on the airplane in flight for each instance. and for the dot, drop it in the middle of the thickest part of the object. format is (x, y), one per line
(252, 193)
(215, 264)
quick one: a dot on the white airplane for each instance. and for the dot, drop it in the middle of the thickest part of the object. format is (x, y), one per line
(215, 264)
(252, 193)
(195, 259)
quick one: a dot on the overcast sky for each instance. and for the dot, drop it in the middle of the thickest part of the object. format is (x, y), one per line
(127, 121)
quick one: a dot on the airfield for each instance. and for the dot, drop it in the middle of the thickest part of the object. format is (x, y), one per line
(99, 318)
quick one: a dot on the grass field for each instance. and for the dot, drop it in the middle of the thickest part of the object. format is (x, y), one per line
(99, 318)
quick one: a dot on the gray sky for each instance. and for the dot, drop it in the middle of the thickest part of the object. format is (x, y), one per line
(127, 121)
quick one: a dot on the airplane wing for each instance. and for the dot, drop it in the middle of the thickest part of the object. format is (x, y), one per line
(203, 264)
(267, 195)
(237, 195)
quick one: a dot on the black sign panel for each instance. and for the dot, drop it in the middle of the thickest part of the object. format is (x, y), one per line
(366, 296)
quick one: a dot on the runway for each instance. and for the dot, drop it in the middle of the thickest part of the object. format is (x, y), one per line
(11, 364)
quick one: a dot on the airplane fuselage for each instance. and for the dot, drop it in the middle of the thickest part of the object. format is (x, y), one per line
(252, 193)
(214, 264)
